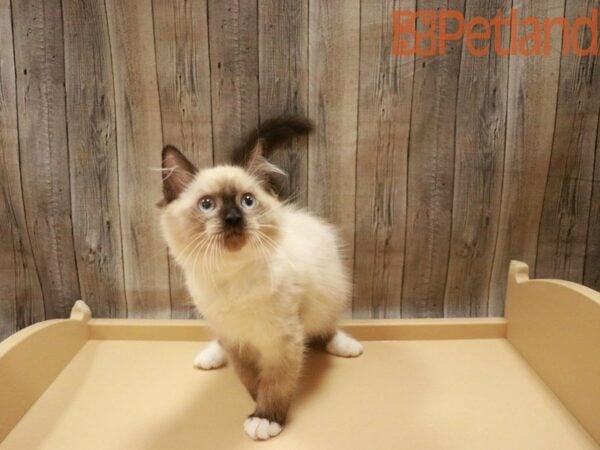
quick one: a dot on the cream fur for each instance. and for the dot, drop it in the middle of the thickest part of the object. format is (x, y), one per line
(263, 298)
(260, 302)
(301, 287)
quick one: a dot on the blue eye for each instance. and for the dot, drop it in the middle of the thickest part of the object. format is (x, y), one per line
(206, 204)
(248, 201)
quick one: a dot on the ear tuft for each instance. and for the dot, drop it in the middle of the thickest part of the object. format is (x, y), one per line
(258, 166)
(177, 173)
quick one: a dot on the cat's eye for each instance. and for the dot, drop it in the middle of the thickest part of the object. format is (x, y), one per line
(206, 204)
(248, 201)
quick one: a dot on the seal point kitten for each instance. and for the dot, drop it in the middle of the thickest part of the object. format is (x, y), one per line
(266, 276)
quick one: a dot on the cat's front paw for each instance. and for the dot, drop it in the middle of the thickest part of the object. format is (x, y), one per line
(212, 357)
(343, 345)
(261, 429)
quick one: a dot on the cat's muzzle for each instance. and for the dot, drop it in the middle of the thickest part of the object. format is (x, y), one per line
(234, 228)
(234, 240)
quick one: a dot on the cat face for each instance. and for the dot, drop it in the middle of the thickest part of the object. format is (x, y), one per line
(230, 206)
(219, 210)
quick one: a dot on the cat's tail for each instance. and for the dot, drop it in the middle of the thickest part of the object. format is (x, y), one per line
(269, 136)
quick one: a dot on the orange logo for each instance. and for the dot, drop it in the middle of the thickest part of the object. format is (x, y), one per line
(426, 33)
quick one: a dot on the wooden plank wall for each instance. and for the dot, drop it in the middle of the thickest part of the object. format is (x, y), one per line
(438, 170)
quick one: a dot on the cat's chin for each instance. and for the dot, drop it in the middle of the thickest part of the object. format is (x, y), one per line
(234, 241)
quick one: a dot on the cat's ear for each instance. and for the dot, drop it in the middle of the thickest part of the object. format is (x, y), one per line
(177, 173)
(259, 166)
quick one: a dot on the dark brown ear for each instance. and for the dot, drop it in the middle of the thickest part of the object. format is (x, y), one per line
(255, 161)
(177, 173)
(259, 166)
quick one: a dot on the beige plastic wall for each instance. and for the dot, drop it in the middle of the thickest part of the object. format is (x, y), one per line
(555, 325)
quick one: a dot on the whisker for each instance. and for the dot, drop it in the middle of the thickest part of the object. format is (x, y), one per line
(200, 252)
(268, 225)
(212, 261)
(270, 243)
(189, 244)
(197, 247)
(270, 210)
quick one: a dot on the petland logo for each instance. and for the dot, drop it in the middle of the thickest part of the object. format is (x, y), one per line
(528, 35)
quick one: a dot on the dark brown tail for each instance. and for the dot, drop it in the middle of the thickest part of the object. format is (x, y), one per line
(270, 135)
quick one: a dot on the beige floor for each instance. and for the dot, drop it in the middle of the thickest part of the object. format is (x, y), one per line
(467, 394)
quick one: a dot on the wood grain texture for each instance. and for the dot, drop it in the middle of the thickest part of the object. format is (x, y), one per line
(591, 273)
(93, 157)
(44, 156)
(381, 164)
(234, 73)
(283, 81)
(532, 96)
(332, 103)
(21, 299)
(431, 177)
(562, 237)
(478, 166)
(183, 70)
(139, 142)
(438, 170)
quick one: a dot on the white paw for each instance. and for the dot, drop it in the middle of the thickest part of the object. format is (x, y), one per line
(212, 357)
(343, 345)
(261, 429)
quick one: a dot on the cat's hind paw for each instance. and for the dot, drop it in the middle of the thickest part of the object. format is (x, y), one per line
(343, 345)
(261, 429)
(211, 357)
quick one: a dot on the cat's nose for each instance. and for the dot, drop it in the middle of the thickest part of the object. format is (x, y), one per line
(233, 217)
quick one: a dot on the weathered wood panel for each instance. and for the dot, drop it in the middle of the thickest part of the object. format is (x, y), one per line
(438, 170)
(93, 157)
(234, 73)
(431, 177)
(564, 223)
(532, 96)
(591, 274)
(332, 103)
(381, 164)
(139, 142)
(283, 81)
(183, 68)
(43, 149)
(479, 158)
(21, 300)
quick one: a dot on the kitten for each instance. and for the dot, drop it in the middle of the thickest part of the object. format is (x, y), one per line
(267, 277)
